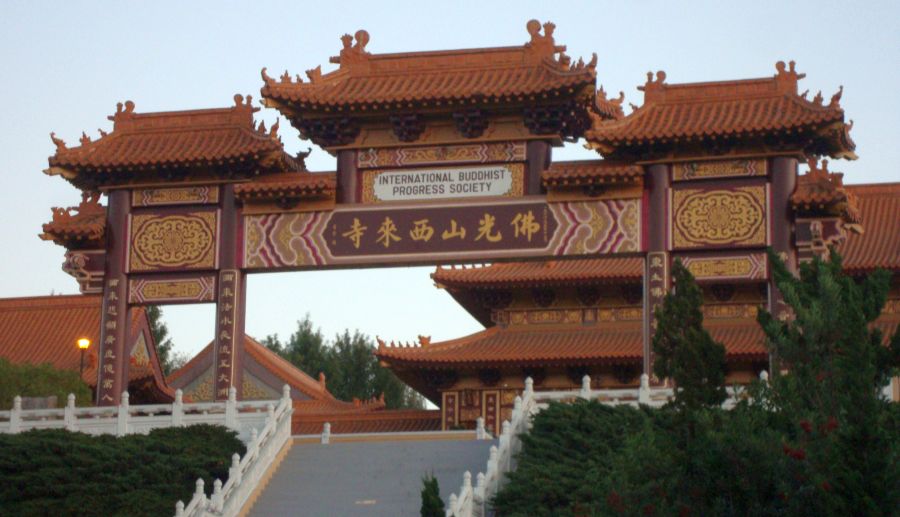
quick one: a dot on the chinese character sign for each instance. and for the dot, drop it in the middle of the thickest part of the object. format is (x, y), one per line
(424, 233)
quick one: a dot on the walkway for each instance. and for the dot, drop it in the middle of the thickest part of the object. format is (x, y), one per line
(369, 479)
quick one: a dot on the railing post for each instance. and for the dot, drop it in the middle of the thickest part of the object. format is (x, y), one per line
(644, 390)
(480, 433)
(69, 414)
(231, 409)
(15, 416)
(217, 500)
(529, 386)
(199, 493)
(235, 471)
(286, 392)
(122, 420)
(179, 509)
(764, 377)
(452, 504)
(326, 433)
(585, 392)
(178, 409)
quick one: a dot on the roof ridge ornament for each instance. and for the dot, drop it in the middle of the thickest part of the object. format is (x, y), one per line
(352, 54)
(59, 142)
(543, 45)
(653, 90)
(787, 76)
(836, 98)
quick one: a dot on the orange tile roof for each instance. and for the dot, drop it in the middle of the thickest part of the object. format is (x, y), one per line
(44, 329)
(730, 109)
(511, 274)
(78, 227)
(822, 191)
(287, 185)
(386, 421)
(589, 172)
(879, 244)
(463, 78)
(563, 345)
(278, 366)
(144, 142)
(525, 346)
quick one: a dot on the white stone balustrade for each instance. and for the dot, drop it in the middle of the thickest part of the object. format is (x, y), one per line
(228, 499)
(242, 416)
(473, 501)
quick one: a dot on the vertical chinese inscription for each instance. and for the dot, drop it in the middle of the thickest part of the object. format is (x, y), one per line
(657, 285)
(226, 331)
(449, 407)
(110, 382)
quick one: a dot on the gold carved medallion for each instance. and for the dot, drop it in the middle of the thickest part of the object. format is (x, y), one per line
(176, 241)
(711, 218)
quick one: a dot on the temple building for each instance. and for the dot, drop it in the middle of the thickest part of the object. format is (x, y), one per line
(445, 158)
(46, 329)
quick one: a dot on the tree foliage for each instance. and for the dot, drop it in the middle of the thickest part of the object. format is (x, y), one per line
(40, 380)
(432, 504)
(169, 360)
(56, 472)
(685, 352)
(348, 362)
(818, 440)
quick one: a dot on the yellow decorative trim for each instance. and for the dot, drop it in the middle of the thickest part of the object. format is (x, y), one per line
(716, 218)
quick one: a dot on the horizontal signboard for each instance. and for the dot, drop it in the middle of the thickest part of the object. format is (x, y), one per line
(440, 232)
(443, 183)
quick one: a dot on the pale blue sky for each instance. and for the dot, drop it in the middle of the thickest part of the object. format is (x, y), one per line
(66, 64)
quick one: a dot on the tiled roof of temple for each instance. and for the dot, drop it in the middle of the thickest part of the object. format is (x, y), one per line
(878, 246)
(510, 274)
(168, 143)
(590, 172)
(44, 329)
(83, 226)
(387, 421)
(278, 366)
(288, 185)
(470, 77)
(558, 344)
(695, 112)
(822, 191)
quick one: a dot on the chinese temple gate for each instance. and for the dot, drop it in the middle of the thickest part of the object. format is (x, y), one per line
(445, 157)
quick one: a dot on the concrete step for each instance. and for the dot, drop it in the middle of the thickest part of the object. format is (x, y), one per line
(366, 478)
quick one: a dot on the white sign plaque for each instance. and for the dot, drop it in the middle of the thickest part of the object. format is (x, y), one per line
(442, 183)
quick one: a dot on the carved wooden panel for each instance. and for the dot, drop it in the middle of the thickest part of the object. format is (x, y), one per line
(750, 266)
(719, 218)
(173, 242)
(718, 169)
(175, 196)
(171, 290)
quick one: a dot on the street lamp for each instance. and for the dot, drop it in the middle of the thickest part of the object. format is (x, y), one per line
(83, 344)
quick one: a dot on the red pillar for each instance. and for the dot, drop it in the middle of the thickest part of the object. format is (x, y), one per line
(346, 177)
(537, 155)
(656, 263)
(228, 344)
(783, 180)
(112, 374)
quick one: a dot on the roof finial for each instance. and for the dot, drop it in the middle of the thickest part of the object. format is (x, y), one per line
(273, 131)
(836, 98)
(238, 99)
(424, 340)
(60, 143)
(818, 98)
(542, 45)
(351, 55)
(286, 77)
(314, 74)
(84, 140)
(102, 132)
(265, 77)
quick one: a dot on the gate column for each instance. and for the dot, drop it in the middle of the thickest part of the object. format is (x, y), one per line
(656, 263)
(228, 349)
(112, 364)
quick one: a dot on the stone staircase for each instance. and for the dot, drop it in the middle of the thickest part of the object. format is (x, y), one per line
(367, 477)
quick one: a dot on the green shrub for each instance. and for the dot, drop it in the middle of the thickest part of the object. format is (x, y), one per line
(56, 472)
(432, 505)
(40, 380)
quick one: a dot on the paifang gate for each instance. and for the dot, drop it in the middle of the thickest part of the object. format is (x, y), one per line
(441, 157)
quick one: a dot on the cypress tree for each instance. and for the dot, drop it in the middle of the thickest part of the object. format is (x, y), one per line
(685, 352)
(432, 505)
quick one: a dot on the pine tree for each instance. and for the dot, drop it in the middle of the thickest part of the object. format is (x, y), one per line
(164, 344)
(432, 505)
(845, 454)
(685, 352)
